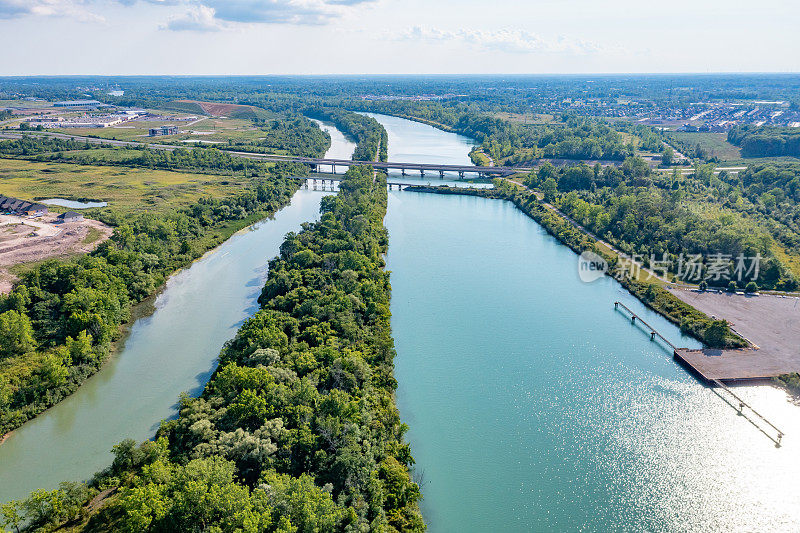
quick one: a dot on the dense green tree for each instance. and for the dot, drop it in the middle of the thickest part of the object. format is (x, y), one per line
(549, 188)
(716, 332)
(667, 156)
(16, 334)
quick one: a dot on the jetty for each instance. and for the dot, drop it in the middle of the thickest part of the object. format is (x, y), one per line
(694, 361)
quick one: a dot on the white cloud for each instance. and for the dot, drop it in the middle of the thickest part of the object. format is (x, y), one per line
(47, 8)
(198, 18)
(201, 15)
(508, 40)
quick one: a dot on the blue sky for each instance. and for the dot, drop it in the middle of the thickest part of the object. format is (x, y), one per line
(397, 36)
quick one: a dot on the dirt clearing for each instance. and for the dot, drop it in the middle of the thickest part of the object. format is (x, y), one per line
(23, 240)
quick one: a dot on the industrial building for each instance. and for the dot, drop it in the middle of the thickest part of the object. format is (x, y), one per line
(81, 103)
(15, 206)
(46, 118)
(163, 130)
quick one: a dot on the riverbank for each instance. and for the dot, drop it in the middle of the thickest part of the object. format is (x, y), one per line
(301, 405)
(515, 375)
(114, 277)
(689, 319)
(171, 350)
(742, 365)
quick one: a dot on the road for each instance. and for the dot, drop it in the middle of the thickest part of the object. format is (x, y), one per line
(492, 170)
(273, 157)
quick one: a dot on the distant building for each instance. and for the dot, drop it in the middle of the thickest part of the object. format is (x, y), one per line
(687, 127)
(69, 216)
(80, 103)
(15, 206)
(101, 121)
(46, 118)
(163, 130)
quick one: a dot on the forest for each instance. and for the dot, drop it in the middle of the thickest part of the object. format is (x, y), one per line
(295, 136)
(199, 159)
(665, 217)
(762, 141)
(369, 135)
(492, 93)
(58, 323)
(297, 429)
(513, 144)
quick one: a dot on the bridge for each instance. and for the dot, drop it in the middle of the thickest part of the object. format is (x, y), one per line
(314, 162)
(327, 184)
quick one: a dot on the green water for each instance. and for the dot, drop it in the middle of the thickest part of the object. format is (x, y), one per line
(171, 351)
(534, 406)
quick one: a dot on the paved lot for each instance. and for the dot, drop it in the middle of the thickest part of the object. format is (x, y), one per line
(770, 322)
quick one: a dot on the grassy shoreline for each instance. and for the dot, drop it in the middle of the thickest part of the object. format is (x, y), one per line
(652, 295)
(210, 239)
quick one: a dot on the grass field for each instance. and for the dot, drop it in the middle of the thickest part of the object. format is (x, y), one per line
(715, 144)
(125, 189)
(213, 130)
(28, 104)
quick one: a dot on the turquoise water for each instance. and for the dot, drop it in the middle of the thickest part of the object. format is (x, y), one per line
(341, 147)
(171, 351)
(534, 406)
(414, 142)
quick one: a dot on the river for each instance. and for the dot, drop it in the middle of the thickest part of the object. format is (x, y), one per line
(534, 406)
(414, 142)
(171, 351)
(341, 147)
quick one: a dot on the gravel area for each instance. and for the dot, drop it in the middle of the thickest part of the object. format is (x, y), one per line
(771, 323)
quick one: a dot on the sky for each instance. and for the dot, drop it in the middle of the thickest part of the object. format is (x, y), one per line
(261, 37)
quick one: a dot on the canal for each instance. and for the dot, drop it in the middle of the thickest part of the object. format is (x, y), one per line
(534, 406)
(168, 352)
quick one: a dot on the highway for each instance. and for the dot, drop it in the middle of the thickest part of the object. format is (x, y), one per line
(314, 162)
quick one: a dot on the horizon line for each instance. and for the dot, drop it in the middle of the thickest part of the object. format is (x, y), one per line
(542, 74)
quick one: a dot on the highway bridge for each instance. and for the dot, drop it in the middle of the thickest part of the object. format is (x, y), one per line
(316, 164)
(462, 170)
(332, 184)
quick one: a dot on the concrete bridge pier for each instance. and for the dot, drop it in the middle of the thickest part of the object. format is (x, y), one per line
(421, 173)
(441, 174)
(403, 171)
(461, 174)
(333, 169)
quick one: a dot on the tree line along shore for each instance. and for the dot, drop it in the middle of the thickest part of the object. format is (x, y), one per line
(298, 428)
